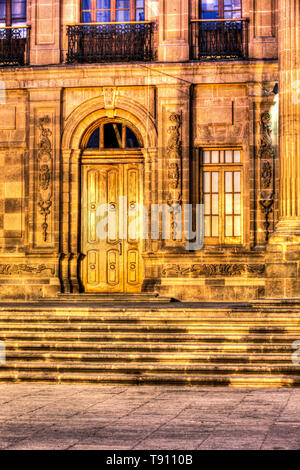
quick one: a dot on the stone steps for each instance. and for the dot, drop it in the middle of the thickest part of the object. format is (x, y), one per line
(73, 328)
(187, 312)
(161, 357)
(238, 380)
(158, 368)
(165, 337)
(236, 346)
(80, 347)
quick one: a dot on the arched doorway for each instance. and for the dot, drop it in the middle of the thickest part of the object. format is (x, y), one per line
(111, 207)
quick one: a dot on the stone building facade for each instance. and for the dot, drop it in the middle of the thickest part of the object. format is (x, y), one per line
(168, 105)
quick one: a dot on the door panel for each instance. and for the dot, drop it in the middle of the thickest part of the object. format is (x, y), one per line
(132, 180)
(112, 227)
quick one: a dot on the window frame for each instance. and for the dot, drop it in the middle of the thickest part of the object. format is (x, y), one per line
(100, 124)
(221, 169)
(221, 10)
(113, 9)
(8, 20)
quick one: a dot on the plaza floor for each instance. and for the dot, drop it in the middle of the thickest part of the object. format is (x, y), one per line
(60, 417)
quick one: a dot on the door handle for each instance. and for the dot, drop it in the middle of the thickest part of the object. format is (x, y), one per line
(120, 248)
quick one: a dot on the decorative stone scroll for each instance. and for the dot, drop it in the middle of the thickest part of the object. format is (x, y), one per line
(198, 270)
(45, 158)
(174, 153)
(266, 156)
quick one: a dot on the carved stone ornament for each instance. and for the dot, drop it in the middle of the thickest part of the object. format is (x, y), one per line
(44, 177)
(266, 208)
(109, 96)
(266, 174)
(174, 153)
(9, 269)
(266, 155)
(197, 270)
(44, 171)
(266, 145)
(267, 91)
(216, 132)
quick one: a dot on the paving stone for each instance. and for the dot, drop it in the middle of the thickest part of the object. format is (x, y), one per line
(169, 443)
(218, 419)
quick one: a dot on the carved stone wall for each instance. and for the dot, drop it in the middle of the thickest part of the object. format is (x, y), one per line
(42, 256)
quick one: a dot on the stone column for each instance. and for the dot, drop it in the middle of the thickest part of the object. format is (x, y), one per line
(173, 31)
(283, 254)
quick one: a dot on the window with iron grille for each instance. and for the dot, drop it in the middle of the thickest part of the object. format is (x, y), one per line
(104, 11)
(220, 9)
(221, 193)
(12, 12)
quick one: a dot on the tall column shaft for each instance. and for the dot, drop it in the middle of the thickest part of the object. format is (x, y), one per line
(283, 249)
(289, 115)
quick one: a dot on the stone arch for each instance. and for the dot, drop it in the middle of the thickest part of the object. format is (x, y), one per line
(84, 116)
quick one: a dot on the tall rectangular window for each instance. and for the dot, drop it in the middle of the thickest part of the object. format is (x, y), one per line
(104, 11)
(221, 194)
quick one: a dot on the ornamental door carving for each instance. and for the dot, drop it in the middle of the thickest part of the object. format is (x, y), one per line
(112, 227)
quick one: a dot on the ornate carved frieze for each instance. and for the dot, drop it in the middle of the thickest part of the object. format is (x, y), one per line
(198, 270)
(223, 133)
(174, 154)
(45, 162)
(9, 269)
(266, 156)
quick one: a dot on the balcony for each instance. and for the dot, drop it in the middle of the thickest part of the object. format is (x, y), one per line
(110, 42)
(218, 39)
(14, 45)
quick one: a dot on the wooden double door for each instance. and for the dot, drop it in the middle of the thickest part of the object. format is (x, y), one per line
(111, 221)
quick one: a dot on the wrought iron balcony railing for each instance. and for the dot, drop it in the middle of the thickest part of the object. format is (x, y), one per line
(110, 42)
(14, 45)
(218, 39)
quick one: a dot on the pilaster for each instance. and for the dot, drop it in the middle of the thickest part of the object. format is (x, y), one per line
(45, 32)
(283, 255)
(173, 154)
(173, 31)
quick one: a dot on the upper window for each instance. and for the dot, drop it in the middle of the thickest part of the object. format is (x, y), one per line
(219, 9)
(12, 12)
(110, 135)
(103, 11)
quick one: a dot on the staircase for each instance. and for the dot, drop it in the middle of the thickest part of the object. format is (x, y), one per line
(246, 345)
